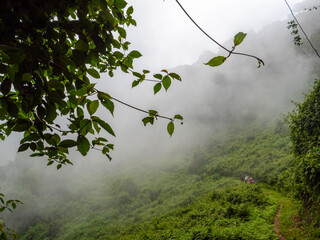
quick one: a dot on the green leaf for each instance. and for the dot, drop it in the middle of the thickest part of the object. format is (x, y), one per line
(106, 102)
(135, 54)
(92, 106)
(147, 120)
(108, 105)
(63, 149)
(82, 91)
(130, 10)
(105, 126)
(85, 126)
(50, 163)
(239, 38)
(110, 146)
(23, 147)
(216, 61)
(82, 46)
(166, 82)
(22, 125)
(93, 73)
(102, 139)
(103, 95)
(158, 76)
(12, 108)
(178, 116)
(82, 100)
(59, 166)
(133, 22)
(68, 143)
(16, 57)
(136, 74)
(83, 145)
(4, 55)
(175, 76)
(120, 3)
(105, 150)
(27, 77)
(56, 138)
(106, 15)
(90, 87)
(153, 113)
(56, 85)
(135, 83)
(96, 127)
(37, 155)
(118, 54)
(170, 128)
(157, 88)
(33, 146)
(80, 112)
(122, 32)
(5, 86)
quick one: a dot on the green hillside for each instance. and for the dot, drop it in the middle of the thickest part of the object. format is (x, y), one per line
(199, 196)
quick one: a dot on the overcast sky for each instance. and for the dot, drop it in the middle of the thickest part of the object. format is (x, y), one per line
(167, 38)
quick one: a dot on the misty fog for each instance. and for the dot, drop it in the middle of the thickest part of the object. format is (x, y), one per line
(209, 99)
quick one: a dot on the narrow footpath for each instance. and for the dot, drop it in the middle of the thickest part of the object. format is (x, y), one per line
(285, 226)
(277, 224)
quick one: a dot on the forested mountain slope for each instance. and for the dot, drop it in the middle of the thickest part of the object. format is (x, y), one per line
(201, 196)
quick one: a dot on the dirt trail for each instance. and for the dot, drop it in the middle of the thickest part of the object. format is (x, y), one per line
(277, 224)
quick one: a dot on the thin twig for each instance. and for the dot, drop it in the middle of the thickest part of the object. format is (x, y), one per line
(216, 42)
(302, 29)
(151, 80)
(220, 45)
(138, 109)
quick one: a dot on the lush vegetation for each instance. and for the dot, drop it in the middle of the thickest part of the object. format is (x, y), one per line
(46, 60)
(48, 53)
(45, 64)
(195, 197)
(305, 132)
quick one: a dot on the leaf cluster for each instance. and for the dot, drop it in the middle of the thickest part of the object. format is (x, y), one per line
(304, 124)
(46, 61)
(9, 205)
(48, 52)
(297, 40)
(237, 40)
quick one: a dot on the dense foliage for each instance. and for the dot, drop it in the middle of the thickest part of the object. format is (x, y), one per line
(7, 205)
(46, 60)
(305, 135)
(258, 150)
(48, 52)
(192, 197)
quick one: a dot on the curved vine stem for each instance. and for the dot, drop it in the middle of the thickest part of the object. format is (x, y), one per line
(215, 41)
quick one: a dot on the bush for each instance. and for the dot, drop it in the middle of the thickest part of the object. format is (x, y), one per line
(304, 124)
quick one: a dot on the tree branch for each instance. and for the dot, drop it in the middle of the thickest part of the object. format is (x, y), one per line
(315, 50)
(216, 42)
(96, 90)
